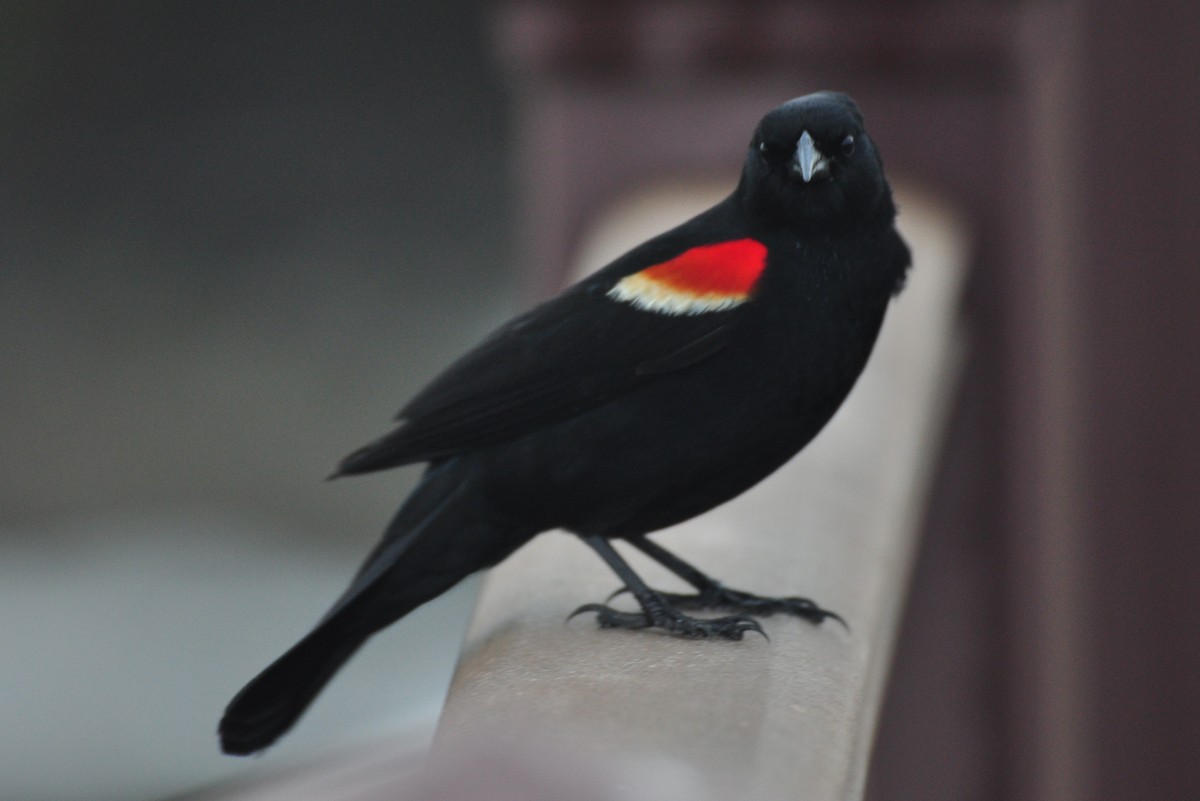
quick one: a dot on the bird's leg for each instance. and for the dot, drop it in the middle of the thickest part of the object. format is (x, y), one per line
(711, 594)
(657, 612)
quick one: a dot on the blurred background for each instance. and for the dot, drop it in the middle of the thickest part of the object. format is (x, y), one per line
(234, 238)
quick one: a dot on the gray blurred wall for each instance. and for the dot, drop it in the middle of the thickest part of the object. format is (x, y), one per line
(234, 237)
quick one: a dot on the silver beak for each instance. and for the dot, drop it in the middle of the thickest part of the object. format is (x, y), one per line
(809, 161)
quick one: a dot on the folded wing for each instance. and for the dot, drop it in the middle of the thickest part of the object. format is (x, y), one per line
(571, 354)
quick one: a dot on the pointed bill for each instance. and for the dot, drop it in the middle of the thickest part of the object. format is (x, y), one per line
(808, 161)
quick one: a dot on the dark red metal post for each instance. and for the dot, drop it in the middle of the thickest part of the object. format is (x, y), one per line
(1052, 645)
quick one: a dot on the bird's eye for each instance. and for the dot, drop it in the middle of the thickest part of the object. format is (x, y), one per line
(770, 150)
(848, 146)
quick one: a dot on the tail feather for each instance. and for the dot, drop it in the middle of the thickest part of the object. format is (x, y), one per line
(444, 532)
(275, 699)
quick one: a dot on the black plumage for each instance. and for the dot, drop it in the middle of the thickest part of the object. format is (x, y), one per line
(655, 389)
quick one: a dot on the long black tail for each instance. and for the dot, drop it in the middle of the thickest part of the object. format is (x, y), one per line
(442, 534)
(270, 704)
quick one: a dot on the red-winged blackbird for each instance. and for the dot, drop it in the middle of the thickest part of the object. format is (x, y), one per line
(663, 385)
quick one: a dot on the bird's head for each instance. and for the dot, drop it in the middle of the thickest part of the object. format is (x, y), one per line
(811, 166)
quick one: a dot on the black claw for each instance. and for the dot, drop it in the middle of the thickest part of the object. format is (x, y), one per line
(827, 615)
(756, 627)
(610, 618)
(802, 607)
(616, 593)
(587, 608)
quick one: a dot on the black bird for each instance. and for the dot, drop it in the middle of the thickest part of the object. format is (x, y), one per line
(661, 386)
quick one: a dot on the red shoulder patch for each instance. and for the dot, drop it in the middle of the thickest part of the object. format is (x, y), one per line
(701, 279)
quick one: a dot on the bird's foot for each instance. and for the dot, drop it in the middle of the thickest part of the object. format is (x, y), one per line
(718, 596)
(666, 617)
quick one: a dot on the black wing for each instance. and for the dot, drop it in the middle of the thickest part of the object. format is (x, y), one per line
(573, 353)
